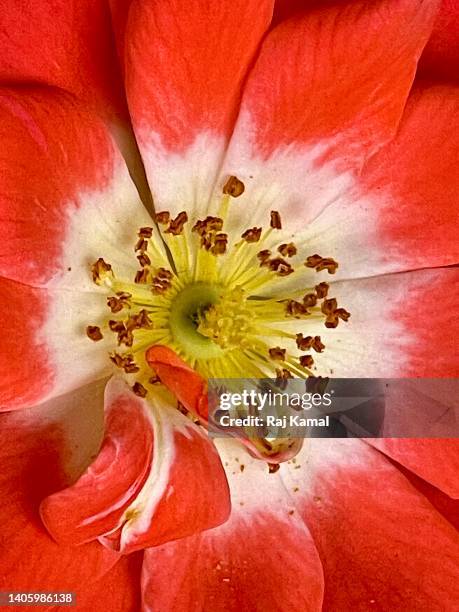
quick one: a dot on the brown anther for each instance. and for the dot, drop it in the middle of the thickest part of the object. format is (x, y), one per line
(176, 225)
(317, 344)
(139, 389)
(139, 321)
(310, 300)
(160, 286)
(162, 218)
(154, 380)
(209, 224)
(329, 306)
(164, 274)
(233, 187)
(313, 261)
(100, 269)
(295, 309)
(306, 361)
(116, 326)
(93, 332)
(342, 314)
(132, 323)
(264, 256)
(322, 290)
(220, 244)
(143, 320)
(141, 245)
(277, 353)
(145, 232)
(304, 344)
(276, 222)
(287, 249)
(144, 260)
(123, 331)
(141, 277)
(125, 362)
(328, 264)
(273, 467)
(252, 235)
(161, 282)
(331, 321)
(283, 374)
(116, 304)
(280, 266)
(117, 359)
(125, 337)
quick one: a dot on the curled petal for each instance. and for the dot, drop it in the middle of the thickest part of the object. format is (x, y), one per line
(171, 482)
(42, 450)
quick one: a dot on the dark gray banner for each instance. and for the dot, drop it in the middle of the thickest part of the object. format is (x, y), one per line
(338, 407)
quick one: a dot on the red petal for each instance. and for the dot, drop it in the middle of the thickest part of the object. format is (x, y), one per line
(413, 183)
(263, 558)
(42, 450)
(382, 544)
(117, 591)
(401, 214)
(129, 499)
(26, 375)
(436, 461)
(63, 44)
(97, 501)
(197, 79)
(441, 55)
(283, 9)
(188, 387)
(336, 77)
(43, 355)
(183, 117)
(65, 193)
(428, 314)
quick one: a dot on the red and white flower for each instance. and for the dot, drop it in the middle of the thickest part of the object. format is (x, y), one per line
(264, 149)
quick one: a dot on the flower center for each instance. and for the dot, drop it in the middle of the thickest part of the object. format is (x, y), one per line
(186, 311)
(220, 300)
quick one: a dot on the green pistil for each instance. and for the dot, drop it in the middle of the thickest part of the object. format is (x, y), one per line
(185, 313)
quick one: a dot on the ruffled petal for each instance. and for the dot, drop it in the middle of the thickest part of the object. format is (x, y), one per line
(97, 501)
(381, 542)
(42, 450)
(262, 558)
(185, 67)
(326, 92)
(156, 478)
(64, 44)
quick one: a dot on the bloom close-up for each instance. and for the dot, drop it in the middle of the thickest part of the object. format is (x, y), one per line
(196, 191)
